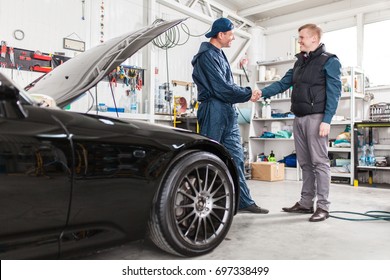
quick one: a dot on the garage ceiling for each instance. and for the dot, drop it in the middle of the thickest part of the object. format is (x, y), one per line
(260, 10)
(274, 15)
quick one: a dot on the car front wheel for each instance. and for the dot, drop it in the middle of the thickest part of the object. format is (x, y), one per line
(194, 207)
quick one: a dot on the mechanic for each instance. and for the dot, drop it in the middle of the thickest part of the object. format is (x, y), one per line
(217, 94)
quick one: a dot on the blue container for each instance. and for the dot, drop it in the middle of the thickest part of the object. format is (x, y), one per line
(111, 109)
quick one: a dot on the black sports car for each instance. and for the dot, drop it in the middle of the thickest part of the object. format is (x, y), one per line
(71, 182)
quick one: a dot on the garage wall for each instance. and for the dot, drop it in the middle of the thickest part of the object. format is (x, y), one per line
(46, 22)
(279, 45)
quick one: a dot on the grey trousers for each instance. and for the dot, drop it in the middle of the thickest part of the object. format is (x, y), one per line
(312, 155)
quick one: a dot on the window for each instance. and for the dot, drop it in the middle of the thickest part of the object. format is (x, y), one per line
(343, 44)
(376, 57)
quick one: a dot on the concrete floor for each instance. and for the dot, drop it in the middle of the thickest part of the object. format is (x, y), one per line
(285, 236)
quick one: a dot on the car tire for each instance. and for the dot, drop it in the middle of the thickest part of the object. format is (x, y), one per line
(194, 208)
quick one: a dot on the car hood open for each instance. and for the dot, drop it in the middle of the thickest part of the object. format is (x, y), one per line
(68, 81)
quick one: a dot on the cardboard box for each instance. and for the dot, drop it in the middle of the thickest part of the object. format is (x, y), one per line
(268, 171)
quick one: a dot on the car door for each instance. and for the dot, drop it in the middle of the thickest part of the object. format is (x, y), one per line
(112, 190)
(35, 179)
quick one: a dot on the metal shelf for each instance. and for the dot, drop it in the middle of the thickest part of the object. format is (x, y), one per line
(345, 122)
(266, 82)
(271, 139)
(373, 167)
(276, 62)
(370, 169)
(335, 149)
(347, 95)
(339, 174)
(272, 119)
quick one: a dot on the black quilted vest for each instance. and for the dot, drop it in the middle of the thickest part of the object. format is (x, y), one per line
(309, 83)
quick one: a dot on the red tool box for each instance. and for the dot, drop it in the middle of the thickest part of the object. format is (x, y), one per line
(41, 56)
(41, 69)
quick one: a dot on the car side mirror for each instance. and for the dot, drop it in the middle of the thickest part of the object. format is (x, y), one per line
(10, 106)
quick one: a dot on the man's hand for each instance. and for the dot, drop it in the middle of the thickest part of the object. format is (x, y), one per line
(256, 94)
(324, 129)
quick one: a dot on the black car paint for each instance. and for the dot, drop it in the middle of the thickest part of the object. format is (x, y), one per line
(71, 181)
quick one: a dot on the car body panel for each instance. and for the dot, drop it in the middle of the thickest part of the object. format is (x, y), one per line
(116, 169)
(35, 189)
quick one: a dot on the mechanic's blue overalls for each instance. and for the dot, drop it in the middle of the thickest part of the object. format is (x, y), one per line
(217, 116)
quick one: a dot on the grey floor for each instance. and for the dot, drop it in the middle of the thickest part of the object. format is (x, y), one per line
(285, 236)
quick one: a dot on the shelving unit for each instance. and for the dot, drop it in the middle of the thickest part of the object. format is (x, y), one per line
(131, 116)
(350, 108)
(382, 149)
(281, 67)
(347, 114)
(280, 146)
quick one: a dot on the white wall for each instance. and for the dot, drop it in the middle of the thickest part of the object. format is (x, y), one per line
(46, 22)
(280, 45)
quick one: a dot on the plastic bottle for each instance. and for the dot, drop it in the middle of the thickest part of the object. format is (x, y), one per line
(133, 103)
(263, 109)
(371, 156)
(125, 101)
(363, 157)
(271, 157)
(146, 106)
(268, 109)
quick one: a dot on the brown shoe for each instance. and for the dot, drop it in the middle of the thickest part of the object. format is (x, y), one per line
(297, 208)
(319, 215)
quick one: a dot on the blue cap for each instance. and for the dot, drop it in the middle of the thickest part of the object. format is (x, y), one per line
(220, 25)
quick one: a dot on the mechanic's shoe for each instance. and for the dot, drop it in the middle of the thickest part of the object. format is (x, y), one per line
(319, 215)
(297, 208)
(254, 209)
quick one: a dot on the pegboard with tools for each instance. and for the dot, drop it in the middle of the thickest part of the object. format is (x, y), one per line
(28, 60)
(129, 75)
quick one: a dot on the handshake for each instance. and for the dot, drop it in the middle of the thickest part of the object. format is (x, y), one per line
(256, 95)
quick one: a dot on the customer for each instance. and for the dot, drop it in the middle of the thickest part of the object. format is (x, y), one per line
(217, 94)
(316, 83)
